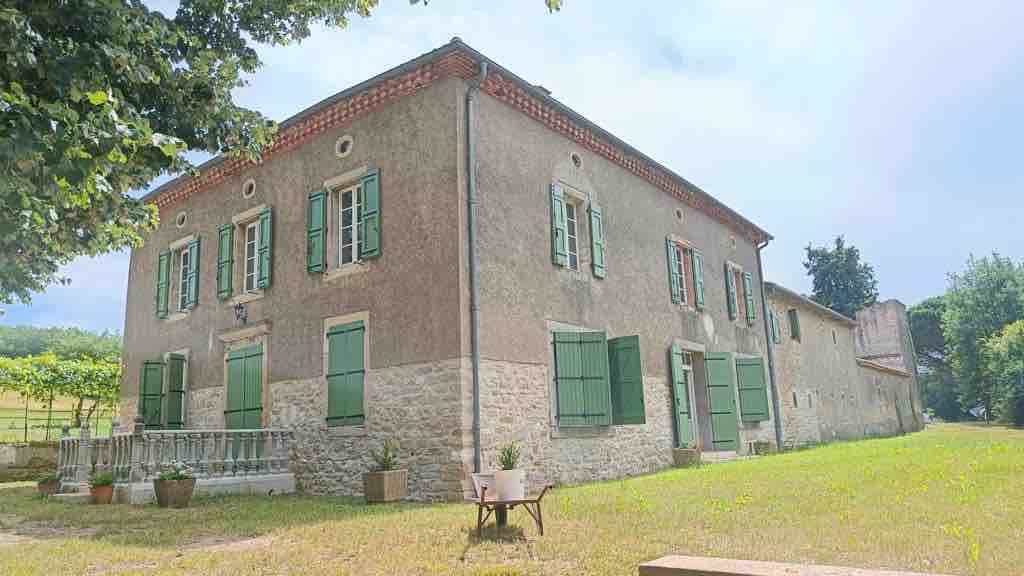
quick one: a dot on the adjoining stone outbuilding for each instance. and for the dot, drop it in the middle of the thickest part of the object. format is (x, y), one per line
(840, 378)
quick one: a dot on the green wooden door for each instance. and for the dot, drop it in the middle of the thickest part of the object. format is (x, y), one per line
(721, 379)
(151, 393)
(682, 413)
(244, 409)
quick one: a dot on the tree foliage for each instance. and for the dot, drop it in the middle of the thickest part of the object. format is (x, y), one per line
(840, 280)
(99, 97)
(1004, 358)
(980, 302)
(938, 388)
(65, 343)
(90, 382)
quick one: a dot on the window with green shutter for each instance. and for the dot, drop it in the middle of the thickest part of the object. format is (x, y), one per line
(265, 248)
(794, 324)
(697, 262)
(316, 231)
(681, 366)
(597, 241)
(225, 260)
(346, 372)
(369, 218)
(244, 409)
(163, 283)
(559, 241)
(775, 329)
(176, 368)
(730, 292)
(581, 379)
(748, 297)
(626, 380)
(752, 389)
(151, 393)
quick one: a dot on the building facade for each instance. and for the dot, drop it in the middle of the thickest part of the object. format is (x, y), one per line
(615, 312)
(829, 374)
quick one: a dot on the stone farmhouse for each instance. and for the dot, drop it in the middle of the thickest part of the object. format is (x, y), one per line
(448, 256)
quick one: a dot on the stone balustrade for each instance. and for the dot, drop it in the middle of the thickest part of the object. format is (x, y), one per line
(142, 455)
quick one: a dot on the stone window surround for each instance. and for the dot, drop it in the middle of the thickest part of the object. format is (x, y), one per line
(573, 194)
(741, 304)
(173, 285)
(239, 221)
(690, 291)
(328, 323)
(574, 431)
(334, 185)
(236, 338)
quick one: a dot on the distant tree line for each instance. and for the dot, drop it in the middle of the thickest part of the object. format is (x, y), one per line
(970, 343)
(46, 363)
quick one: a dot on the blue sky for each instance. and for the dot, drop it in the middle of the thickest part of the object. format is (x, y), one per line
(898, 125)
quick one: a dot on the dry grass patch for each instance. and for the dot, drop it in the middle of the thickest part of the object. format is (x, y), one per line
(945, 500)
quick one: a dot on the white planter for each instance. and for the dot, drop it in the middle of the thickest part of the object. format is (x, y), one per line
(510, 484)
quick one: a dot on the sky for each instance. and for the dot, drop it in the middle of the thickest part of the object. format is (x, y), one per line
(895, 124)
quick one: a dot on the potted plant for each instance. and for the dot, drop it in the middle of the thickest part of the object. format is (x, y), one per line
(510, 481)
(174, 486)
(101, 487)
(686, 456)
(387, 483)
(48, 484)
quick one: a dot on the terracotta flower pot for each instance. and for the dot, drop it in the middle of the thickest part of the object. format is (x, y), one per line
(174, 493)
(386, 486)
(48, 488)
(102, 494)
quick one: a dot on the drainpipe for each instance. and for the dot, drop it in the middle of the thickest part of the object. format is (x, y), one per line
(474, 261)
(776, 416)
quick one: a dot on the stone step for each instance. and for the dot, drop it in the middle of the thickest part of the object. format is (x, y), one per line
(715, 457)
(73, 498)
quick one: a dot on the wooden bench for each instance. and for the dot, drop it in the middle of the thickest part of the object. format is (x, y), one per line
(500, 509)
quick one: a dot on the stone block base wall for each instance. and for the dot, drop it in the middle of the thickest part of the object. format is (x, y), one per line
(27, 461)
(418, 405)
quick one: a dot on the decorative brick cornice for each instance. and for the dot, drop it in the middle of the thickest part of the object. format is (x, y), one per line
(344, 111)
(513, 94)
(463, 62)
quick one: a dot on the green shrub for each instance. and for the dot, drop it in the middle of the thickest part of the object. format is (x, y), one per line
(508, 456)
(48, 478)
(101, 479)
(387, 458)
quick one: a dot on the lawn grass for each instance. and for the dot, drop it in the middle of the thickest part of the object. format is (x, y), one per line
(947, 500)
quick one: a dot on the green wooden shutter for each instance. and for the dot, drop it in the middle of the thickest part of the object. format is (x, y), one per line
(597, 245)
(748, 293)
(730, 293)
(151, 393)
(225, 260)
(680, 398)
(697, 262)
(674, 280)
(581, 379)
(265, 248)
(721, 378)
(626, 380)
(346, 373)
(369, 220)
(244, 408)
(794, 324)
(316, 232)
(175, 392)
(192, 296)
(753, 392)
(559, 237)
(163, 282)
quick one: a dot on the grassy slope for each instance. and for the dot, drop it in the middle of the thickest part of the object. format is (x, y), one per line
(950, 499)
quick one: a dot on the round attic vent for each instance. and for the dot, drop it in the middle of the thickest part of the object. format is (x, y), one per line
(249, 188)
(343, 146)
(576, 160)
(180, 219)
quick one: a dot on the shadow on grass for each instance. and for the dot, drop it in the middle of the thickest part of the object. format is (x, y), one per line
(208, 518)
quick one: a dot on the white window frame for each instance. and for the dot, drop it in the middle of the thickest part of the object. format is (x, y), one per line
(682, 252)
(572, 234)
(354, 226)
(183, 264)
(254, 273)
